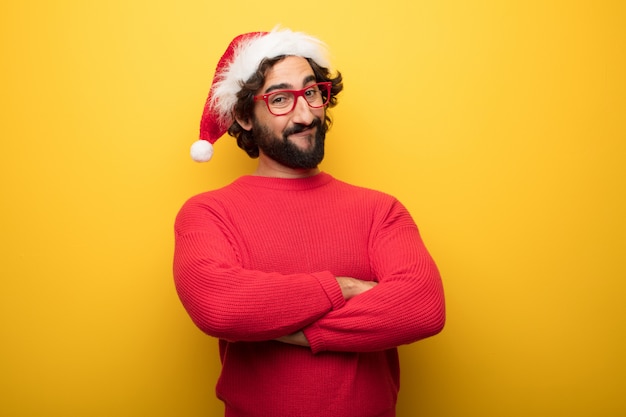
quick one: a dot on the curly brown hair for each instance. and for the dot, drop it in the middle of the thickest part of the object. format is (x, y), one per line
(244, 109)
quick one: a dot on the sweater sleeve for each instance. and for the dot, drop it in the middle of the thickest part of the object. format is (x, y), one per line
(407, 304)
(228, 301)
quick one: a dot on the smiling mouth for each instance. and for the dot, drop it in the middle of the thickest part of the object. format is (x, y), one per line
(300, 129)
(303, 130)
(307, 134)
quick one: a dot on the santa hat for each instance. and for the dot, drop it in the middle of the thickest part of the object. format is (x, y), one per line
(240, 61)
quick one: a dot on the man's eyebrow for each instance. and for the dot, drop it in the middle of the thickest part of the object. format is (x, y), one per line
(283, 86)
(286, 86)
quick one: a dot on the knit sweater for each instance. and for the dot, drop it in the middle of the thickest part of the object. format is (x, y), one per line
(257, 260)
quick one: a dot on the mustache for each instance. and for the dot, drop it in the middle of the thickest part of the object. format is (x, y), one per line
(299, 127)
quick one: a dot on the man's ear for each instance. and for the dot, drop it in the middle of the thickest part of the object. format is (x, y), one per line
(246, 125)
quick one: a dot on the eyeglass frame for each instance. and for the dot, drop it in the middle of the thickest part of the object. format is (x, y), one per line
(297, 94)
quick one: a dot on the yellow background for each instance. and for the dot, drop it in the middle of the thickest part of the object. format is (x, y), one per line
(501, 125)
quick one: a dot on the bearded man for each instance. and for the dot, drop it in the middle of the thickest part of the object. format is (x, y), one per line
(309, 283)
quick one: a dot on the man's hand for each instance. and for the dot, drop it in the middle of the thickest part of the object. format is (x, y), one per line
(297, 338)
(351, 287)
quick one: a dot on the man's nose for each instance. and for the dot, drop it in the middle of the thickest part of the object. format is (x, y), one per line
(302, 113)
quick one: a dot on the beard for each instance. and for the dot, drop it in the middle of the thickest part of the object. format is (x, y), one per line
(285, 152)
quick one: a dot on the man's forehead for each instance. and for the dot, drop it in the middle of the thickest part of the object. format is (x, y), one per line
(292, 72)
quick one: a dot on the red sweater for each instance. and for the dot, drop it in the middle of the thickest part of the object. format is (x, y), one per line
(257, 260)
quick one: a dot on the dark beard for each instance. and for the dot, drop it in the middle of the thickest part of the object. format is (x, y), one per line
(283, 151)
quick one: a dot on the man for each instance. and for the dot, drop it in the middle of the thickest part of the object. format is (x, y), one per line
(309, 283)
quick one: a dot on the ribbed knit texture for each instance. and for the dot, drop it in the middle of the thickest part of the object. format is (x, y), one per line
(257, 260)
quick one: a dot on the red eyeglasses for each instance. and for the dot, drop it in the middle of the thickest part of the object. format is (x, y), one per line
(282, 102)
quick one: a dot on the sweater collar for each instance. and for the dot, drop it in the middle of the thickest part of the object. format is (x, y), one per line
(287, 184)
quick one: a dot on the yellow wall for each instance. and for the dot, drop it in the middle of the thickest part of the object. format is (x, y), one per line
(499, 124)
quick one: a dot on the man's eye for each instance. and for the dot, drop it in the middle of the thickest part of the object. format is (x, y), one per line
(279, 99)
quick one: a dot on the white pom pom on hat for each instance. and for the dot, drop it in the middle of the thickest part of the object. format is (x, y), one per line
(240, 61)
(201, 151)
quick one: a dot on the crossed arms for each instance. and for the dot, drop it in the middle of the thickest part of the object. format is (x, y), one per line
(327, 312)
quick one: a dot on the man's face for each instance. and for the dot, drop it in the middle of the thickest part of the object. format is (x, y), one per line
(295, 140)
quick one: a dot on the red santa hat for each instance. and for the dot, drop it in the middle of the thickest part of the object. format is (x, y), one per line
(240, 61)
